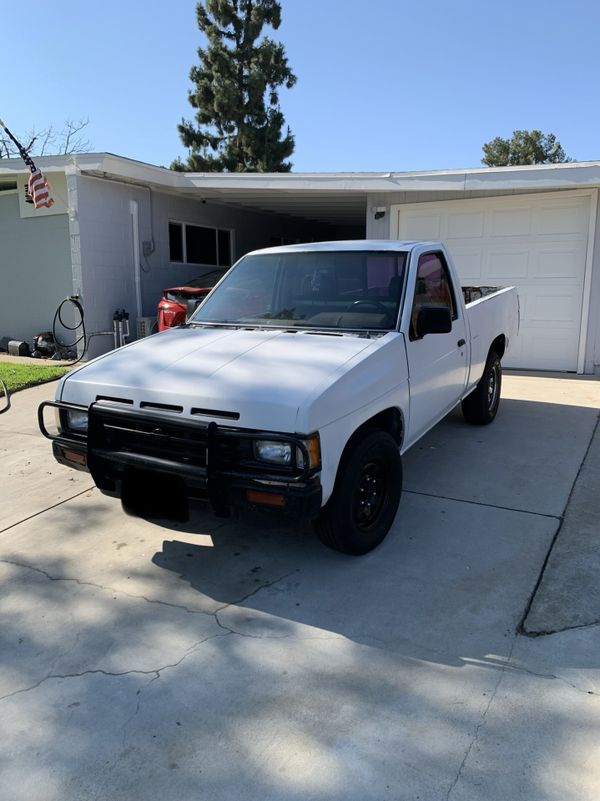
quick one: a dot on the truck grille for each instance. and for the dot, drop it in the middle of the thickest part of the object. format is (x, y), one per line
(124, 431)
(149, 439)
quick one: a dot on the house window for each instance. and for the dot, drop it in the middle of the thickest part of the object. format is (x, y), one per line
(176, 242)
(198, 244)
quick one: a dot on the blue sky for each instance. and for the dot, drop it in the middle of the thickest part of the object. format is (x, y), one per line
(382, 85)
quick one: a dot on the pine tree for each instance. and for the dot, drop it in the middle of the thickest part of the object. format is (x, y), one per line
(524, 147)
(239, 122)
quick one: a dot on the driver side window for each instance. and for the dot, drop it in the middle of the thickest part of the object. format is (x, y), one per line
(432, 288)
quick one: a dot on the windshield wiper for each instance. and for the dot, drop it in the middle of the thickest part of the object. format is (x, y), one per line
(210, 324)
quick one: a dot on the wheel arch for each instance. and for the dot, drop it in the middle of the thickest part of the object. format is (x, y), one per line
(389, 420)
(337, 443)
(498, 346)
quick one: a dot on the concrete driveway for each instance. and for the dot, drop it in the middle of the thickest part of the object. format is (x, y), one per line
(217, 660)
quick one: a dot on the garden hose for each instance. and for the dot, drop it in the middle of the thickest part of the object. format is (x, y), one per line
(84, 337)
(6, 406)
(74, 300)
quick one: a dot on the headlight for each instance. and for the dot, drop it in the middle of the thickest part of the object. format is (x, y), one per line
(274, 452)
(313, 446)
(77, 421)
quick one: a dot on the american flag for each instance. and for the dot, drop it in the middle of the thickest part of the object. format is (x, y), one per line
(37, 186)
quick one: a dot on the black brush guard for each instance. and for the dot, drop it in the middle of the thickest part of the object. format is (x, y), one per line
(211, 462)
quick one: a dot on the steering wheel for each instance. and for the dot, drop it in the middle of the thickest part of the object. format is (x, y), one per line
(373, 303)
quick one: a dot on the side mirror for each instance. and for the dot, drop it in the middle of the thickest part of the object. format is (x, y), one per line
(434, 320)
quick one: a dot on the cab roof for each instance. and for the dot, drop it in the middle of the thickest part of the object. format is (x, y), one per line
(386, 245)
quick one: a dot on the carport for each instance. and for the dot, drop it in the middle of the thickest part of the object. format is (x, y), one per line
(533, 227)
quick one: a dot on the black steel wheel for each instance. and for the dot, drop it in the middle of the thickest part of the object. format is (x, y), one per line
(481, 405)
(366, 495)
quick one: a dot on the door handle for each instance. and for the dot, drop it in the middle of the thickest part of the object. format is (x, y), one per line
(461, 342)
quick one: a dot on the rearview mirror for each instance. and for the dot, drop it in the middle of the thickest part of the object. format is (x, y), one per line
(434, 320)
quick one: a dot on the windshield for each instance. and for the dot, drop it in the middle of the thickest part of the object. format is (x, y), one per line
(350, 290)
(206, 280)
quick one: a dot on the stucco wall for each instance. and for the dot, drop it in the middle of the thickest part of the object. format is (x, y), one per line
(35, 269)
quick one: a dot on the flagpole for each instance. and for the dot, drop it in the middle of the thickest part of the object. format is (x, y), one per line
(37, 184)
(22, 152)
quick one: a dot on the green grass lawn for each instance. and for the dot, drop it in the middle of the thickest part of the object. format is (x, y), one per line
(20, 376)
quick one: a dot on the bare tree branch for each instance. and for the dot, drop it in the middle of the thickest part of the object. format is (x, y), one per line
(49, 141)
(72, 142)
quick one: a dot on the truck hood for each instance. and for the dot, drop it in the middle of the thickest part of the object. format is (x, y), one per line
(257, 378)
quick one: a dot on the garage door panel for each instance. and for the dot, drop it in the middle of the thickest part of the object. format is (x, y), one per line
(465, 225)
(561, 219)
(559, 262)
(510, 222)
(555, 307)
(507, 265)
(549, 349)
(537, 243)
(471, 264)
(424, 226)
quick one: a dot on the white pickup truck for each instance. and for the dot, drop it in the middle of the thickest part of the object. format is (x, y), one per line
(295, 386)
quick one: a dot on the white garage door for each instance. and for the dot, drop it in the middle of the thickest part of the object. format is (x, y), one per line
(537, 243)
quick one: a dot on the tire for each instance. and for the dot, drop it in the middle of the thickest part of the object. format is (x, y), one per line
(481, 405)
(365, 497)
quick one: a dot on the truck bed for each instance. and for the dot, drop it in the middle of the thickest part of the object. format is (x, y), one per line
(490, 310)
(473, 293)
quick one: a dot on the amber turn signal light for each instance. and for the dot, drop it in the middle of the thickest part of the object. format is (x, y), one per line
(265, 498)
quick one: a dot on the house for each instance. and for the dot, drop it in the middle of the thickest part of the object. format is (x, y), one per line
(121, 230)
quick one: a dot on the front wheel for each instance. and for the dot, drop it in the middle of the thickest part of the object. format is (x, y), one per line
(365, 498)
(481, 405)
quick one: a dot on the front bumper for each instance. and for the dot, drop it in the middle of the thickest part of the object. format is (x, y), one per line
(184, 460)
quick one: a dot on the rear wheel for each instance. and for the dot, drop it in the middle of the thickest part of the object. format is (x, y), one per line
(365, 498)
(481, 405)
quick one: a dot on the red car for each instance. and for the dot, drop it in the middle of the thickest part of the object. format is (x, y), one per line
(178, 302)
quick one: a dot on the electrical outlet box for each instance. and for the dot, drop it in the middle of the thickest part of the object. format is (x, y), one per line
(148, 247)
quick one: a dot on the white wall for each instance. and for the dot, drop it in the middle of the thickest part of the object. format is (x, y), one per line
(35, 269)
(592, 359)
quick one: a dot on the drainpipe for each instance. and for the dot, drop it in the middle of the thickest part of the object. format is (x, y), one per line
(135, 229)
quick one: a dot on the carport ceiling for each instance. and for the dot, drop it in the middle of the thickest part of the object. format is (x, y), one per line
(334, 208)
(340, 207)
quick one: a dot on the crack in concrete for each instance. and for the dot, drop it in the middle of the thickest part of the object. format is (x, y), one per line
(155, 672)
(138, 704)
(507, 667)
(523, 669)
(47, 509)
(182, 607)
(547, 632)
(67, 651)
(241, 600)
(481, 503)
(481, 722)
